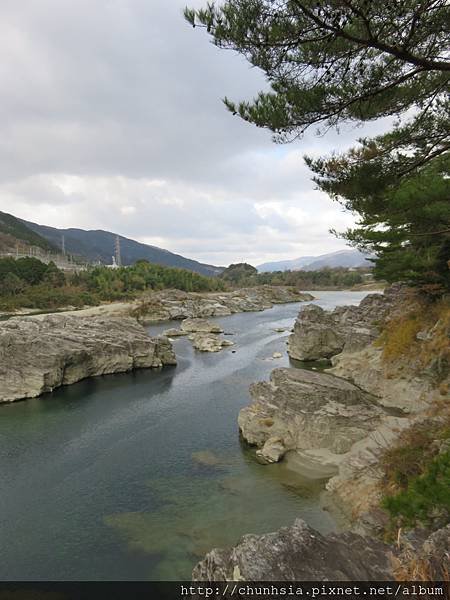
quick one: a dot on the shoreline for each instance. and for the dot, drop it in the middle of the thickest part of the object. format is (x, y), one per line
(41, 352)
(336, 425)
(125, 307)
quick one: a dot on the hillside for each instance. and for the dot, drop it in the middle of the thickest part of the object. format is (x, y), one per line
(98, 245)
(13, 231)
(342, 258)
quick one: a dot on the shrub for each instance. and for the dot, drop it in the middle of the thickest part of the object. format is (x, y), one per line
(416, 470)
(426, 498)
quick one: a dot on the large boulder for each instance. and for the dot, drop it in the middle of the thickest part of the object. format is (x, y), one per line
(39, 354)
(208, 342)
(298, 553)
(317, 415)
(322, 334)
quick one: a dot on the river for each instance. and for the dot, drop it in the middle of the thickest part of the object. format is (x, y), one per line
(136, 476)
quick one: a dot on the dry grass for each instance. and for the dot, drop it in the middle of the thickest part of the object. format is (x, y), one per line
(410, 567)
(400, 337)
(430, 350)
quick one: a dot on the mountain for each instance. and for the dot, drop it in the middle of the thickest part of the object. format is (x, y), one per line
(342, 258)
(13, 231)
(98, 245)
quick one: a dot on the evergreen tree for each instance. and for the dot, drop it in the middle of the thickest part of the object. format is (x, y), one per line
(358, 60)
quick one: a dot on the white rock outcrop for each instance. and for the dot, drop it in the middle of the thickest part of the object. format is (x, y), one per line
(322, 334)
(39, 354)
(175, 304)
(316, 415)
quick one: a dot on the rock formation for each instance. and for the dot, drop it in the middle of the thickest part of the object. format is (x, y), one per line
(174, 304)
(200, 326)
(321, 334)
(173, 332)
(298, 553)
(367, 370)
(209, 342)
(203, 334)
(317, 415)
(39, 354)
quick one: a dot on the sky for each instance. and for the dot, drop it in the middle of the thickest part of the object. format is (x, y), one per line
(111, 118)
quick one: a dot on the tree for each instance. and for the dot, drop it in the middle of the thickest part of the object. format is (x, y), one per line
(338, 60)
(31, 270)
(54, 276)
(238, 272)
(7, 265)
(11, 285)
(405, 222)
(358, 60)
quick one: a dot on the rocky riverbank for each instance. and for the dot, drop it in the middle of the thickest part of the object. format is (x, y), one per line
(322, 334)
(39, 354)
(337, 425)
(171, 304)
(300, 553)
(176, 305)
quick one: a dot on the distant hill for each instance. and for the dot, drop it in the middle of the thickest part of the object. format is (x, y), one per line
(98, 245)
(342, 258)
(13, 231)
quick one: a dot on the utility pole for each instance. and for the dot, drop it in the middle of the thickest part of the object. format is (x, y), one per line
(117, 255)
(63, 245)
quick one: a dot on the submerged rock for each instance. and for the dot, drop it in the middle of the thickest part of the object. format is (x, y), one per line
(298, 553)
(206, 457)
(39, 354)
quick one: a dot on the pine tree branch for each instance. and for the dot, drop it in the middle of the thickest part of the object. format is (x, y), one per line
(398, 52)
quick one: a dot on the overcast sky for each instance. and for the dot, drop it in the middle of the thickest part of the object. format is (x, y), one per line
(111, 118)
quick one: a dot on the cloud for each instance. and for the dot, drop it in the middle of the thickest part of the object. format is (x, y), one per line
(110, 118)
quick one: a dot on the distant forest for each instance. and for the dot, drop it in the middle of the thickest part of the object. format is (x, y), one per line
(244, 275)
(30, 283)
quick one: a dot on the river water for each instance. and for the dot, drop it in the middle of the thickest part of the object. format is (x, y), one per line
(136, 476)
